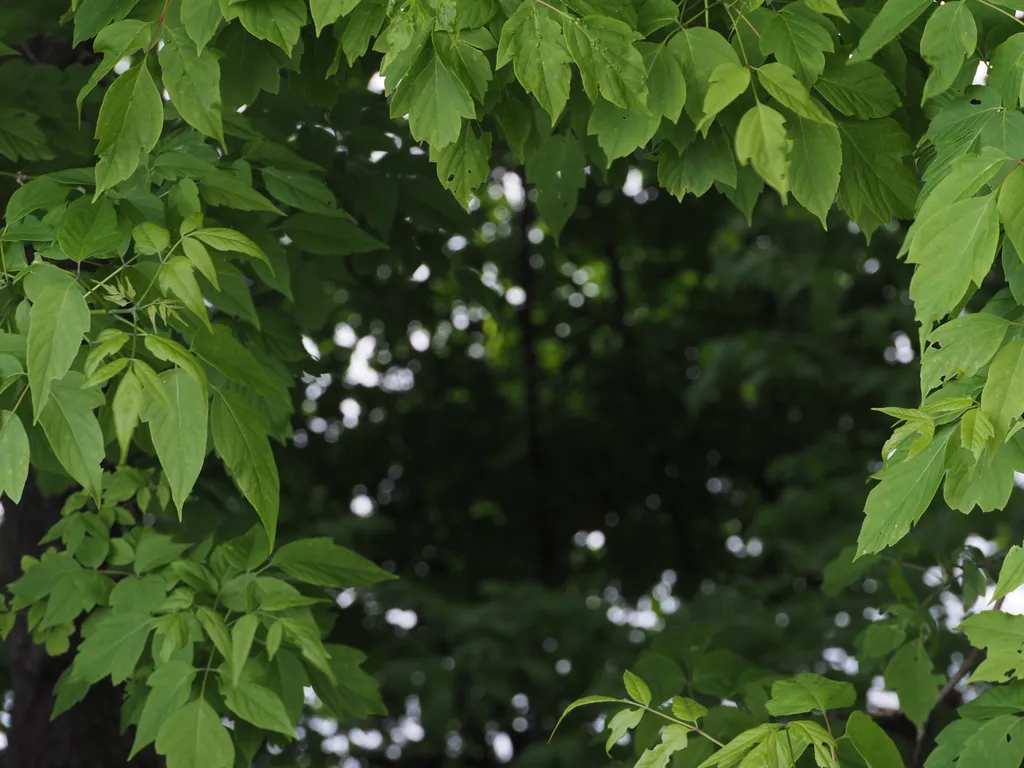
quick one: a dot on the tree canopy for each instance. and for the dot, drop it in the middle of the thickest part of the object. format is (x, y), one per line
(585, 319)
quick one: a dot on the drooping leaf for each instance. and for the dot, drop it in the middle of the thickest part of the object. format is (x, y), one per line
(895, 16)
(170, 688)
(14, 456)
(911, 675)
(240, 437)
(277, 21)
(949, 37)
(808, 692)
(533, 41)
(112, 647)
(193, 81)
(74, 432)
(326, 564)
(194, 736)
(762, 141)
(904, 493)
(798, 38)
(860, 89)
(129, 124)
(815, 163)
(58, 320)
(179, 432)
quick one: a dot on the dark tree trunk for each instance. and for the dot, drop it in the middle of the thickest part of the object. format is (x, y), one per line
(86, 736)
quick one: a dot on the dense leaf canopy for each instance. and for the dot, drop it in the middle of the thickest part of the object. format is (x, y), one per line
(298, 297)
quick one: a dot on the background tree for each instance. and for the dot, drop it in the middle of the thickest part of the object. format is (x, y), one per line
(576, 417)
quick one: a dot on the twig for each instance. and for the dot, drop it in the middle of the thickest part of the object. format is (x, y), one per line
(973, 659)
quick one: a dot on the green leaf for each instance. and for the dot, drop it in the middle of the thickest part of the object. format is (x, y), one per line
(196, 252)
(798, 38)
(179, 432)
(733, 752)
(127, 408)
(193, 81)
(808, 692)
(1005, 699)
(229, 240)
(58, 320)
(533, 41)
(727, 83)
(701, 51)
(156, 550)
(620, 724)
(75, 594)
(224, 188)
(216, 630)
(1011, 574)
(1003, 636)
(699, 166)
(875, 186)
(277, 21)
(604, 50)
(1006, 72)
(120, 39)
(14, 456)
(858, 90)
(761, 141)
(436, 102)
(911, 674)
(879, 639)
(949, 37)
(39, 193)
(556, 169)
(976, 432)
(150, 238)
(1011, 208)
(260, 706)
(904, 493)
(895, 16)
(240, 438)
(299, 190)
(781, 83)
(89, 230)
(952, 250)
(242, 634)
(998, 743)
(1002, 399)
(327, 12)
(176, 280)
(135, 595)
(112, 647)
(171, 688)
(465, 164)
(636, 688)
(194, 736)
(73, 431)
(688, 709)
(873, 743)
(326, 564)
(815, 162)
(201, 19)
(965, 346)
(666, 79)
(582, 702)
(129, 124)
(619, 132)
(21, 137)
(225, 353)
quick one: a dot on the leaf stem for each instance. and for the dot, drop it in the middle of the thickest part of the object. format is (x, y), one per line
(1002, 11)
(692, 727)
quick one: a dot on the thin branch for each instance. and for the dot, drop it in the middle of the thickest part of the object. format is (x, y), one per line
(973, 659)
